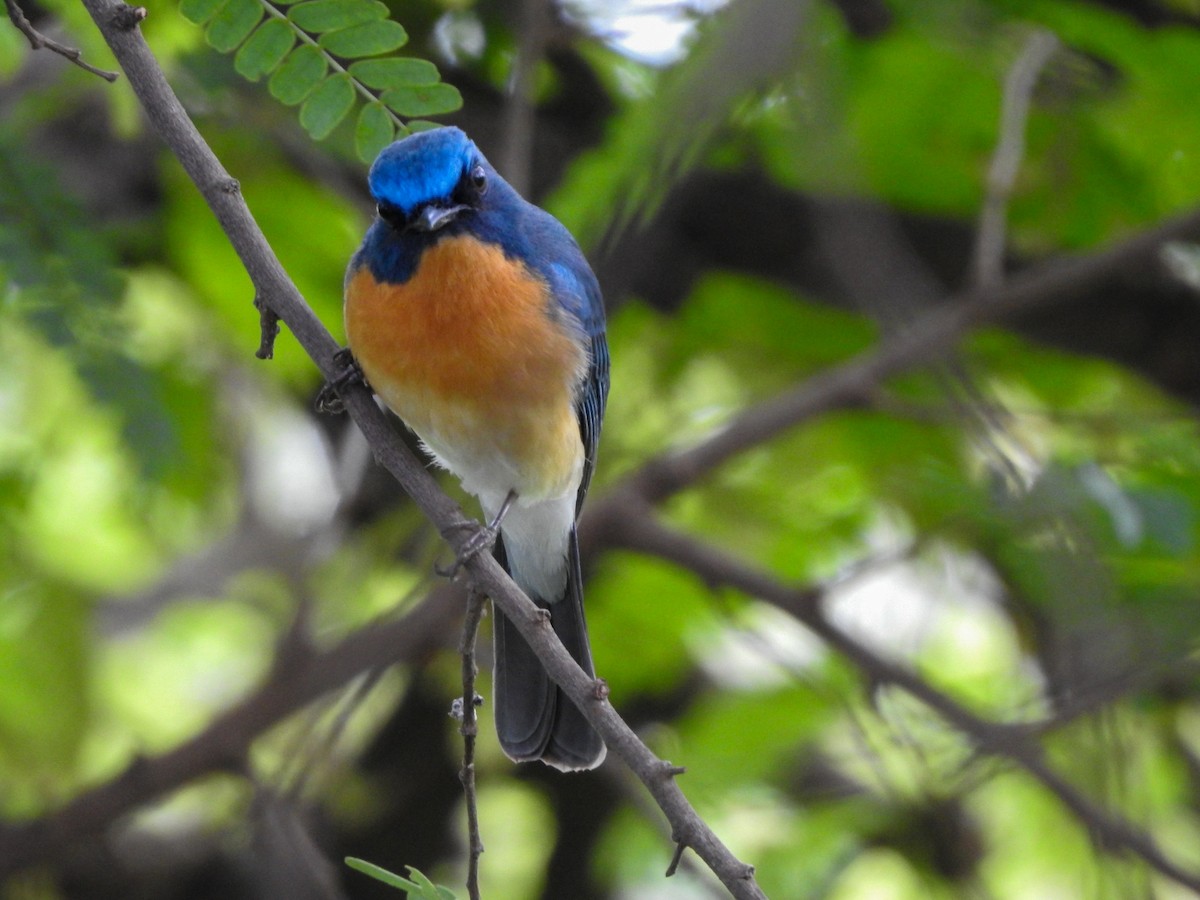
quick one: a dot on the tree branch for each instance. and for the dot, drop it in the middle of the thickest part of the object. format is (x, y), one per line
(469, 728)
(988, 261)
(38, 41)
(520, 118)
(276, 290)
(644, 533)
(299, 676)
(926, 339)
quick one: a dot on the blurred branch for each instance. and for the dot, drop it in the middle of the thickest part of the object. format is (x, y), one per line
(38, 41)
(118, 23)
(519, 111)
(299, 676)
(928, 338)
(988, 261)
(642, 532)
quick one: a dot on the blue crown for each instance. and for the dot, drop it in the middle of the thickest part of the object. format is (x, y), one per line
(422, 167)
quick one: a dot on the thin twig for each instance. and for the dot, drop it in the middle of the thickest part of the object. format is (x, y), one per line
(38, 41)
(519, 112)
(469, 729)
(1113, 833)
(988, 259)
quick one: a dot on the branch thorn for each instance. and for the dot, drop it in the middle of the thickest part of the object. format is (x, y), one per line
(127, 17)
(600, 689)
(268, 321)
(676, 857)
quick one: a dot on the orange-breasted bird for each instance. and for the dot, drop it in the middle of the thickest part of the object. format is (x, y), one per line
(475, 317)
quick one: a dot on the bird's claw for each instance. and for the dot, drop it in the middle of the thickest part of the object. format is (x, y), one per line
(329, 400)
(483, 539)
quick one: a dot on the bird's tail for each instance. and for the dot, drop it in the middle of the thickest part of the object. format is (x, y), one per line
(534, 718)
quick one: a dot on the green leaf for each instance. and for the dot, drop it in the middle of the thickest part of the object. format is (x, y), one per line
(381, 874)
(395, 72)
(199, 11)
(298, 76)
(423, 100)
(327, 106)
(369, 39)
(233, 24)
(265, 50)
(374, 132)
(420, 887)
(331, 15)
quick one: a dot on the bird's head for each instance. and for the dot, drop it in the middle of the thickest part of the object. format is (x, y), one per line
(427, 180)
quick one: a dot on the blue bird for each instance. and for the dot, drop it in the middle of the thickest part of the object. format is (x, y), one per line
(475, 317)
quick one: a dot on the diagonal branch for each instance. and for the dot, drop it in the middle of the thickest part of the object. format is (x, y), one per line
(117, 22)
(38, 41)
(926, 339)
(644, 533)
(299, 676)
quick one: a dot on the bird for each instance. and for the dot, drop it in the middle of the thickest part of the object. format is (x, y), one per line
(474, 315)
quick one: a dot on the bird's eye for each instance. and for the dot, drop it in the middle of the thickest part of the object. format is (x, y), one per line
(390, 214)
(479, 179)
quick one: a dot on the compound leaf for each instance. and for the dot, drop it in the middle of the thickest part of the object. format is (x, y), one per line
(368, 39)
(299, 75)
(327, 106)
(265, 50)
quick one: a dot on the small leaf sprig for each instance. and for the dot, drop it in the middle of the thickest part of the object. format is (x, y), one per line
(325, 55)
(417, 885)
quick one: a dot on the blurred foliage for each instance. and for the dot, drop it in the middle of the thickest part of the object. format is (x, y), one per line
(167, 503)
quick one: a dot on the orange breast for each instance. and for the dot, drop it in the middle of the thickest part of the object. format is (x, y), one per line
(467, 353)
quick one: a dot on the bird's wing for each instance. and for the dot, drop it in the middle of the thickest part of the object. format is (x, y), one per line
(578, 294)
(589, 409)
(548, 247)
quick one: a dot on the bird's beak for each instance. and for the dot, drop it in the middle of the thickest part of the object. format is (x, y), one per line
(432, 218)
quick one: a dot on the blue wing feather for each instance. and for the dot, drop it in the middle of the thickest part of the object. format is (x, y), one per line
(547, 247)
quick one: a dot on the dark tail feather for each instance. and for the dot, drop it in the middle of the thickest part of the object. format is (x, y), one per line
(534, 719)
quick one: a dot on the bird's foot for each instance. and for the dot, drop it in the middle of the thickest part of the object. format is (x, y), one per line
(483, 539)
(329, 400)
